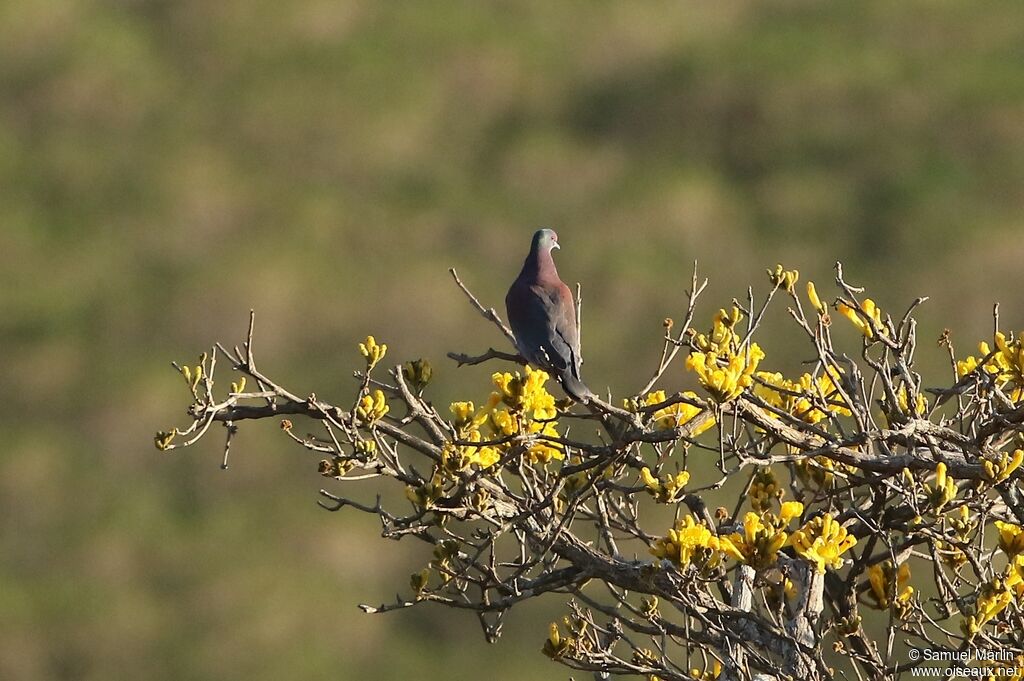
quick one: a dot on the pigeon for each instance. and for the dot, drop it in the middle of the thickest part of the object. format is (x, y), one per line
(542, 314)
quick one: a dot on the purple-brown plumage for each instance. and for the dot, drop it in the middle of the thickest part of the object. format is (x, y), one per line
(542, 315)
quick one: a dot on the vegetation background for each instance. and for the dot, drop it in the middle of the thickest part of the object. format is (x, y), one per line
(165, 166)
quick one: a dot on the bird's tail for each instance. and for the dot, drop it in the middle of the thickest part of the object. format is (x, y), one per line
(574, 387)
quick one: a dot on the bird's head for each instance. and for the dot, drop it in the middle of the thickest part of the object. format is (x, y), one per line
(545, 240)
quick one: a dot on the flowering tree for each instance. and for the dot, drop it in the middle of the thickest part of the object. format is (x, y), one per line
(874, 516)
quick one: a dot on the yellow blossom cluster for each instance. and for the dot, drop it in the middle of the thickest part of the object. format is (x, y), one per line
(1005, 365)
(1005, 589)
(992, 600)
(808, 398)
(943, 490)
(762, 537)
(194, 376)
(950, 554)
(822, 541)
(525, 394)
(889, 587)
(783, 278)
(1000, 469)
(674, 415)
(164, 438)
(963, 524)
(460, 457)
(903, 400)
(722, 365)
(667, 490)
(709, 674)
(723, 337)
(764, 490)
(1011, 538)
(372, 351)
(819, 471)
(372, 408)
(868, 311)
(726, 376)
(578, 641)
(692, 542)
(335, 468)
(467, 422)
(521, 405)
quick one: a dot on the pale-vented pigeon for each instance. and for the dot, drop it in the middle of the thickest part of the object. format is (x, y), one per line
(543, 317)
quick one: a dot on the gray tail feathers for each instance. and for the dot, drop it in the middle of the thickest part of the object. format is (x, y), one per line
(574, 387)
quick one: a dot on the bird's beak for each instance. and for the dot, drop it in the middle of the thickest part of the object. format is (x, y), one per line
(554, 244)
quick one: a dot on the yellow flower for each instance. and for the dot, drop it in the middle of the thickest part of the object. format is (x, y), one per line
(372, 409)
(458, 458)
(543, 451)
(1011, 538)
(782, 278)
(1006, 364)
(812, 295)
(764, 489)
(820, 472)
(822, 541)
(669, 489)
(529, 410)
(997, 471)
(944, 489)
(889, 586)
(992, 600)
(194, 376)
(723, 335)
(536, 399)
(691, 542)
(525, 394)
(810, 399)
(418, 580)
(950, 554)
(504, 423)
(920, 403)
(708, 674)
(335, 468)
(675, 415)
(1014, 575)
(556, 646)
(725, 376)
(870, 312)
(164, 438)
(759, 544)
(791, 510)
(372, 351)
(466, 416)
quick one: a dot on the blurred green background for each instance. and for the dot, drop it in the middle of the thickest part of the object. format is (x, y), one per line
(165, 166)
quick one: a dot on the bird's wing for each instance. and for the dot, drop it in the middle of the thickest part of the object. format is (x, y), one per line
(544, 322)
(563, 316)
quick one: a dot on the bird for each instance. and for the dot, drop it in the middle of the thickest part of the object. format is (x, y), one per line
(542, 315)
